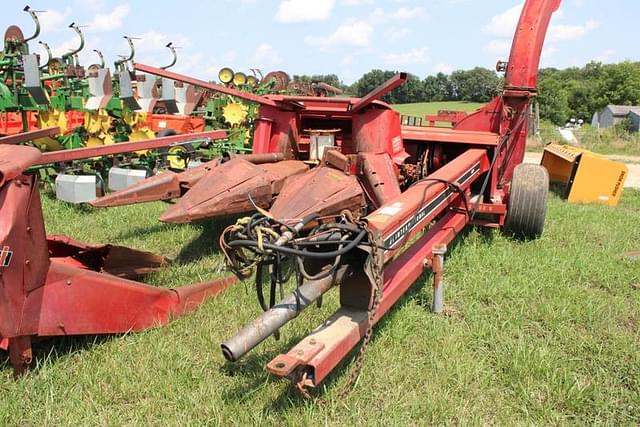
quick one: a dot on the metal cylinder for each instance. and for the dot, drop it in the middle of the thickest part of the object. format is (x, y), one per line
(261, 158)
(278, 315)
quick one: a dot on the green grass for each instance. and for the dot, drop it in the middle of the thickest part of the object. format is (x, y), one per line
(542, 332)
(610, 141)
(422, 108)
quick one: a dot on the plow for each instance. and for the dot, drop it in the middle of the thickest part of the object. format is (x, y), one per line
(337, 193)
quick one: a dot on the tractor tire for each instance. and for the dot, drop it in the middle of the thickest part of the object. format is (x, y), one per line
(527, 206)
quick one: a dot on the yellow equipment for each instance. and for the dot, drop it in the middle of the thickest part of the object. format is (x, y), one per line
(225, 75)
(590, 178)
(239, 79)
(235, 113)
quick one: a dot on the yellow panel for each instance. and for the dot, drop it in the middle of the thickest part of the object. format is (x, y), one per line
(559, 168)
(598, 180)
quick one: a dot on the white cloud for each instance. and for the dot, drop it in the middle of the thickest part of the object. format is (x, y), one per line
(401, 14)
(66, 46)
(113, 20)
(266, 56)
(153, 41)
(571, 32)
(405, 13)
(549, 50)
(357, 2)
(296, 11)
(499, 48)
(442, 68)
(351, 34)
(606, 55)
(53, 20)
(504, 24)
(397, 33)
(413, 56)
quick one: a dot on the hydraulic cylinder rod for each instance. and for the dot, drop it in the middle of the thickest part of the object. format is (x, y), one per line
(278, 316)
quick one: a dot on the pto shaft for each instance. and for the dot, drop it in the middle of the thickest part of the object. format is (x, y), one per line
(278, 315)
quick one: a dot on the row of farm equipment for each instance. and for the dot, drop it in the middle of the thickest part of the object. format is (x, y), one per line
(74, 107)
(336, 193)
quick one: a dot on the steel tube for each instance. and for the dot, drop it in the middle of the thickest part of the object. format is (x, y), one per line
(205, 85)
(380, 91)
(278, 315)
(261, 158)
(29, 136)
(126, 147)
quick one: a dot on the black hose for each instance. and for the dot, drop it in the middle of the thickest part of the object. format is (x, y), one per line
(294, 252)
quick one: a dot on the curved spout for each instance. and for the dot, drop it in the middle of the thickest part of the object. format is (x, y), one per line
(132, 53)
(522, 68)
(35, 20)
(49, 54)
(101, 56)
(173, 54)
(79, 48)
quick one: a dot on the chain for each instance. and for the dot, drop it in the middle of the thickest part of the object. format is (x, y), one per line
(375, 264)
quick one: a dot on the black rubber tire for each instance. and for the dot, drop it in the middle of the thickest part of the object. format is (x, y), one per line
(527, 206)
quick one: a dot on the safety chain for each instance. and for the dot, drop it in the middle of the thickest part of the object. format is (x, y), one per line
(375, 267)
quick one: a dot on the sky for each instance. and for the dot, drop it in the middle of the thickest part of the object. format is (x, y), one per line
(345, 37)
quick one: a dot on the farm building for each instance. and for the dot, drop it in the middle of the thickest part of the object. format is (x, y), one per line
(613, 114)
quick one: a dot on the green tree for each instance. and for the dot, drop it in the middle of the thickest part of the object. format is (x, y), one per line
(437, 88)
(476, 85)
(411, 91)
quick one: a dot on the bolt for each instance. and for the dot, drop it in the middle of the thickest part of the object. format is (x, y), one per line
(61, 325)
(28, 229)
(69, 282)
(27, 262)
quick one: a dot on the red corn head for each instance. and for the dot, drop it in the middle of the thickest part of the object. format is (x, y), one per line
(234, 187)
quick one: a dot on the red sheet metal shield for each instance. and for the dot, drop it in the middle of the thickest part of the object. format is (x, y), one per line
(225, 190)
(58, 286)
(323, 190)
(116, 260)
(164, 186)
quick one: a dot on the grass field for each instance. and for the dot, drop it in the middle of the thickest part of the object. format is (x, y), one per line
(543, 332)
(603, 141)
(422, 108)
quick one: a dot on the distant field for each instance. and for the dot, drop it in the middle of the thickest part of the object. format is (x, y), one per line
(422, 108)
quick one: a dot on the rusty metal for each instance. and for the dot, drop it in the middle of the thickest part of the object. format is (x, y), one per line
(20, 138)
(116, 260)
(323, 190)
(380, 178)
(57, 286)
(236, 186)
(170, 185)
(342, 331)
(163, 186)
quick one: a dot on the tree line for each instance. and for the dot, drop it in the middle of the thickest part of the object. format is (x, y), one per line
(575, 92)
